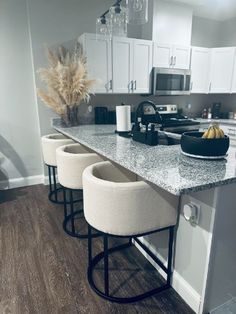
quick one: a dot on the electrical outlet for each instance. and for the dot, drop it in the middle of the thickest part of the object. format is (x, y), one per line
(191, 212)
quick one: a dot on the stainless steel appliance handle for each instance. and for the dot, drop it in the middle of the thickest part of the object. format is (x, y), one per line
(135, 85)
(185, 82)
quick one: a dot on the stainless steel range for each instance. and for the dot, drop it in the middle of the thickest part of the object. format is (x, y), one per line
(172, 121)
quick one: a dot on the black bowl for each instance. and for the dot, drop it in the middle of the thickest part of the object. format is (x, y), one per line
(193, 143)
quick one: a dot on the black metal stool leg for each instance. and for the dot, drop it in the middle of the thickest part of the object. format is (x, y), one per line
(103, 256)
(50, 179)
(65, 202)
(72, 212)
(54, 183)
(170, 251)
(89, 245)
(69, 219)
(106, 274)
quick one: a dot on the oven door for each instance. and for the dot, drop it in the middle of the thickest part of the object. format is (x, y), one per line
(171, 82)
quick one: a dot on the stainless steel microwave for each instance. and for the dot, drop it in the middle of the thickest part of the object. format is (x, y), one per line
(171, 81)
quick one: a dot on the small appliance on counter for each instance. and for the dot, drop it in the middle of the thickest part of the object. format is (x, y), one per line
(149, 135)
(216, 110)
(104, 116)
(123, 118)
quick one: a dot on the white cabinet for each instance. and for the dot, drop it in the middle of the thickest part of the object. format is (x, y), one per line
(181, 55)
(221, 71)
(200, 64)
(98, 53)
(169, 56)
(122, 65)
(131, 65)
(233, 87)
(142, 66)
(162, 55)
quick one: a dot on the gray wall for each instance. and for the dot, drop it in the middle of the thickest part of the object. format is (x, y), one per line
(229, 33)
(205, 32)
(20, 154)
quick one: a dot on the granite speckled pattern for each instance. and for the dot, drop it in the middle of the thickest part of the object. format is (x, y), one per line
(164, 166)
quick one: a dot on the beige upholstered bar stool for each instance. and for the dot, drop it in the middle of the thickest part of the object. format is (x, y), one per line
(71, 161)
(50, 143)
(118, 205)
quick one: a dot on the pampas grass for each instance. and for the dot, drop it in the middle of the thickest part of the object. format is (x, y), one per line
(66, 79)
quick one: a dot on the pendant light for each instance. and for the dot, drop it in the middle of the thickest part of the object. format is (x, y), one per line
(137, 11)
(114, 21)
(118, 20)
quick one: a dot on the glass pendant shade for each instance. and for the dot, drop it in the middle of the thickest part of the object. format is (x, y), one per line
(137, 11)
(102, 27)
(118, 20)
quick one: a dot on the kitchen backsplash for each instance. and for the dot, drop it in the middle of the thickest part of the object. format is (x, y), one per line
(198, 103)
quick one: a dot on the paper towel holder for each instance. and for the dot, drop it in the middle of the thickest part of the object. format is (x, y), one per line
(128, 132)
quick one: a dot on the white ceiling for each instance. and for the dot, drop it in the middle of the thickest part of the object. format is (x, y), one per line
(219, 10)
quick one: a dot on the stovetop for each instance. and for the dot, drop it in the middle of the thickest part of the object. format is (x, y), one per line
(177, 120)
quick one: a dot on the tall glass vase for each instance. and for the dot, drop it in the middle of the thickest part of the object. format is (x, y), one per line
(70, 115)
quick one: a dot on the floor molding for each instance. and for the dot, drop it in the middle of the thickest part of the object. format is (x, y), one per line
(21, 182)
(179, 284)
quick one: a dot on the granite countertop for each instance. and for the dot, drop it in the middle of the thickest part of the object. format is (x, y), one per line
(164, 166)
(222, 121)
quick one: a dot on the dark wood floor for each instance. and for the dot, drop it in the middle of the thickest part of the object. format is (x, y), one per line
(44, 271)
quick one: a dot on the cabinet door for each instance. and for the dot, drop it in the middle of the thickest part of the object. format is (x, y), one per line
(162, 55)
(181, 57)
(122, 65)
(200, 64)
(233, 88)
(142, 66)
(98, 53)
(222, 61)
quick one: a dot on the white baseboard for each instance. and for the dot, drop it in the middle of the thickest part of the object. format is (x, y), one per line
(21, 182)
(46, 180)
(179, 284)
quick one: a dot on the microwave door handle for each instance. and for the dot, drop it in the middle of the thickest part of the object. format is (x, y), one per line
(185, 82)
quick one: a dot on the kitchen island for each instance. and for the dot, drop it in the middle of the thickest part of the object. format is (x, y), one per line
(205, 258)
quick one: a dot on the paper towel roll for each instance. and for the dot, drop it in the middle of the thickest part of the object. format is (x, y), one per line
(123, 118)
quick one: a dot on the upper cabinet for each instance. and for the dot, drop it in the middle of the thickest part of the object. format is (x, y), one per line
(131, 65)
(200, 65)
(171, 56)
(221, 70)
(98, 53)
(122, 65)
(142, 66)
(181, 57)
(162, 55)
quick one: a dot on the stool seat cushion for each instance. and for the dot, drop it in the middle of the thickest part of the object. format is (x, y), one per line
(50, 143)
(72, 159)
(115, 203)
